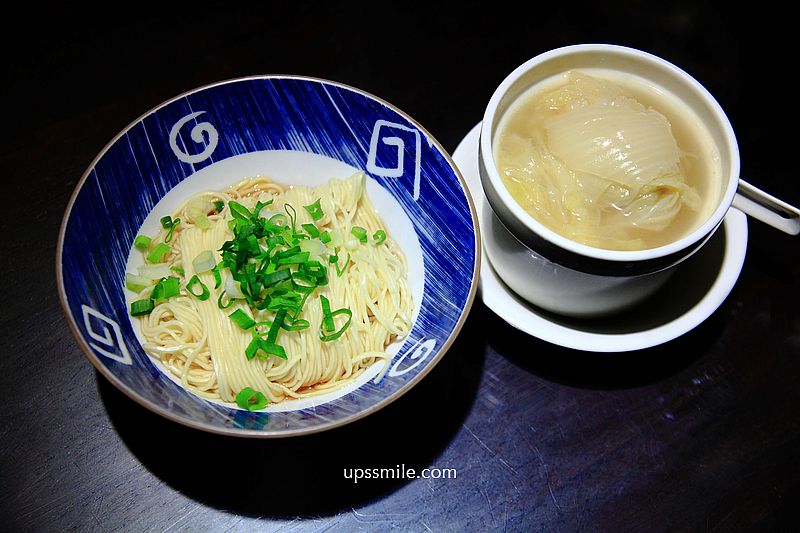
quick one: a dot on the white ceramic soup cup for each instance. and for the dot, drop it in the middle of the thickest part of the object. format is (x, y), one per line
(564, 276)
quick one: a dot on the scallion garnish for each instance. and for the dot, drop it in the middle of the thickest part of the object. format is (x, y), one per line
(378, 237)
(142, 307)
(204, 293)
(311, 229)
(178, 270)
(315, 210)
(294, 259)
(239, 212)
(222, 305)
(290, 210)
(340, 270)
(217, 277)
(142, 242)
(259, 345)
(273, 278)
(242, 319)
(295, 325)
(158, 253)
(251, 399)
(327, 317)
(219, 205)
(273, 264)
(271, 348)
(360, 234)
(166, 288)
(168, 224)
(274, 329)
(327, 324)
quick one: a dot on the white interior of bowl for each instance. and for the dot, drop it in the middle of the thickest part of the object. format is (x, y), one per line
(291, 167)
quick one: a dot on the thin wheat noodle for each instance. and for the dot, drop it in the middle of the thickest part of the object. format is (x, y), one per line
(204, 349)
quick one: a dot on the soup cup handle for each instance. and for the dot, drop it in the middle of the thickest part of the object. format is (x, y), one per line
(766, 208)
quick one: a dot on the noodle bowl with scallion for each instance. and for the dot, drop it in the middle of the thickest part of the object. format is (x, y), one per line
(261, 293)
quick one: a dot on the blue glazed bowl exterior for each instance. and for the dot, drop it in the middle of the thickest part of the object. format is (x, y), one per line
(214, 123)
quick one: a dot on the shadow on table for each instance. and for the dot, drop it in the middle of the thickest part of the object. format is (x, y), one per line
(684, 290)
(601, 370)
(305, 476)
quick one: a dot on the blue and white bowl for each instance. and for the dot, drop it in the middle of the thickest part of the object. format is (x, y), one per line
(297, 130)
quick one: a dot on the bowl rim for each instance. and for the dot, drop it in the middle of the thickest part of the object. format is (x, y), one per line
(513, 212)
(260, 433)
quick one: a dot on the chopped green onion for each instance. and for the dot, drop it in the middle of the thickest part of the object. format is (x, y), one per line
(251, 399)
(260, 345)
(272, 242)
(217, 277)
(252, 348)
(340, 271)
(311, 229)
(204, 261)
(275, 262)
(279, 219)
(272, 349)
(295, 259)
(168, 224)
(137, 283)
(327, 321)
(315, 270)
(276, 277)
(204, 292)
(142, 307)
(290, 210)
(166, 288)
(142, 242)
(286, 302)
(303, 282)
(219, 301)
(239, 212)
(177, 270)
(295, 325)
(259, 206)
(219, 205)
(158, 253)
(286, 253)
(360, 234)
(242, 320)
(315, 210)
(378, 237)
(272, 334)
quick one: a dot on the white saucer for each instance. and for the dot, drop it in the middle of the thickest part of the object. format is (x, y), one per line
(695, 291)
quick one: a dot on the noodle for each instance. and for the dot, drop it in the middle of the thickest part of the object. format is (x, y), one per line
(197, 342)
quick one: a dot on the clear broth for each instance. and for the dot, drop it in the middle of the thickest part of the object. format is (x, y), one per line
(700, 164)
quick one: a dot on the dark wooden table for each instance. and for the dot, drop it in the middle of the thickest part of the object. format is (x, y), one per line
(702, 433)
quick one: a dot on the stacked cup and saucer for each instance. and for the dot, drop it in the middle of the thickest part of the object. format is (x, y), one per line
(594, 298)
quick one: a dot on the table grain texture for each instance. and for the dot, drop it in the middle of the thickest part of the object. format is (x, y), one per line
(699, 434)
